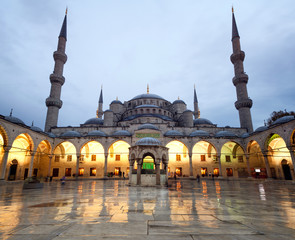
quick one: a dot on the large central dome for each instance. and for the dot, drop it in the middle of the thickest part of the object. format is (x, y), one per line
(147, 95)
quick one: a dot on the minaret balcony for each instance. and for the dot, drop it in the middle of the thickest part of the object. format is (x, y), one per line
(241, 78)
(54, 78)
(239, 56)
(50, 101)
(57, 55)
(244, 103)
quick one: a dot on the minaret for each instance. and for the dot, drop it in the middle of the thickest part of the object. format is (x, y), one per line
(53, 102)
(99, 111)
(196, 105)
(243, 103)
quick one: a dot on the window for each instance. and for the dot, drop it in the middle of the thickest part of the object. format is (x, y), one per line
(81, 171)
(227, 158)
(240, 159)
(118, 157)
(56, 159)
(203, 158)
(216, 172)
(93, 157)
(81, 158)
(69, 158)
(92, 171)
(229, 172)
(55, 172)
(204, 172)
(178, 157)
(68, 172)
(117, 171)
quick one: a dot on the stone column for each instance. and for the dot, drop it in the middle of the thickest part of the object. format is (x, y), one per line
(158, 176)
(77, 166)
(219, 162)
(292, 155)
(166, 172)
(31, 164)
(4, 162)
(130, 172)
(291, 149)
(106, 164)
(138, 173)
(267, 165)
(190, 165)
(248, 165)
(49, 165)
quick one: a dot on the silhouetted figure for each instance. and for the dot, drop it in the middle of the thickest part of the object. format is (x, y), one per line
(198, 177)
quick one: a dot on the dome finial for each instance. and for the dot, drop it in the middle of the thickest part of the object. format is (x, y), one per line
(117, 98)
(148, 89)
(11, 112)
(178, 98)
(33, 123)
(67, 10)
(232, 9)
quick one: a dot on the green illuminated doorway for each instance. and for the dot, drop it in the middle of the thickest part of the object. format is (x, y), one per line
(148, 163)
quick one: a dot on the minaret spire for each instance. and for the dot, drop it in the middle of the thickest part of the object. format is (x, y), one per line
(99, 111)
(196, 105)
(53, 102)
(240, 80)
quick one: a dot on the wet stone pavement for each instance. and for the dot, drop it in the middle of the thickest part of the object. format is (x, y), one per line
(112, 210)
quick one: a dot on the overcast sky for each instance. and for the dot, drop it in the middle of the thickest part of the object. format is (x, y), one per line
(125, 45)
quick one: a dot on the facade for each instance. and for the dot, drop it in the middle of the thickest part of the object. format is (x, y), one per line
(147, 138)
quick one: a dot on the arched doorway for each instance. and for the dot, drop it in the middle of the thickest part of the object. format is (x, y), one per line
(286, 169)
(148, 162)
(12, 170)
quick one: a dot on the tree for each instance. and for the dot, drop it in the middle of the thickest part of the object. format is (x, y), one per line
(276, 115)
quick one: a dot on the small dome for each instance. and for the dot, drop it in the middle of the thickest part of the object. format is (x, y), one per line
(116, 102)
(173, 133)
(148, 126)
(50, 134)
(71, 134)
(96, 121)
(283, 120)
(202, 121)
(148, 141)
(178, 101)
(121, 133)
(14, 120)
(108, 110)
(36, 129)
(199, 133)
(147, 95)
(245, 135)
(225, 134)
(147, 106)
(96, 133)
(261, 129)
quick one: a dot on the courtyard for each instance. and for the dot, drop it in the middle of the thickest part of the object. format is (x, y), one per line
(187, 209)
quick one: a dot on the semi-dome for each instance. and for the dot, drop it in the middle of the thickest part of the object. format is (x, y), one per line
(147, 95)
(36, 129)
(148, 141)
(96, 133)
(261, 129)
(283, 120)
(96, 121)
(199, 133)
(201, 121)
(147, 106)
(148, 126)
(116, 102)
(178, 101)
(225, 134)
(173, 133)
(121, 133)
(14, 120)
(50, 134)
(71, 134)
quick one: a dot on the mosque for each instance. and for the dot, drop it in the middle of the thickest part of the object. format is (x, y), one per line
(147, 138)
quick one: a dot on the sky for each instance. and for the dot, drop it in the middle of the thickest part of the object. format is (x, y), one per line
(171, 45)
